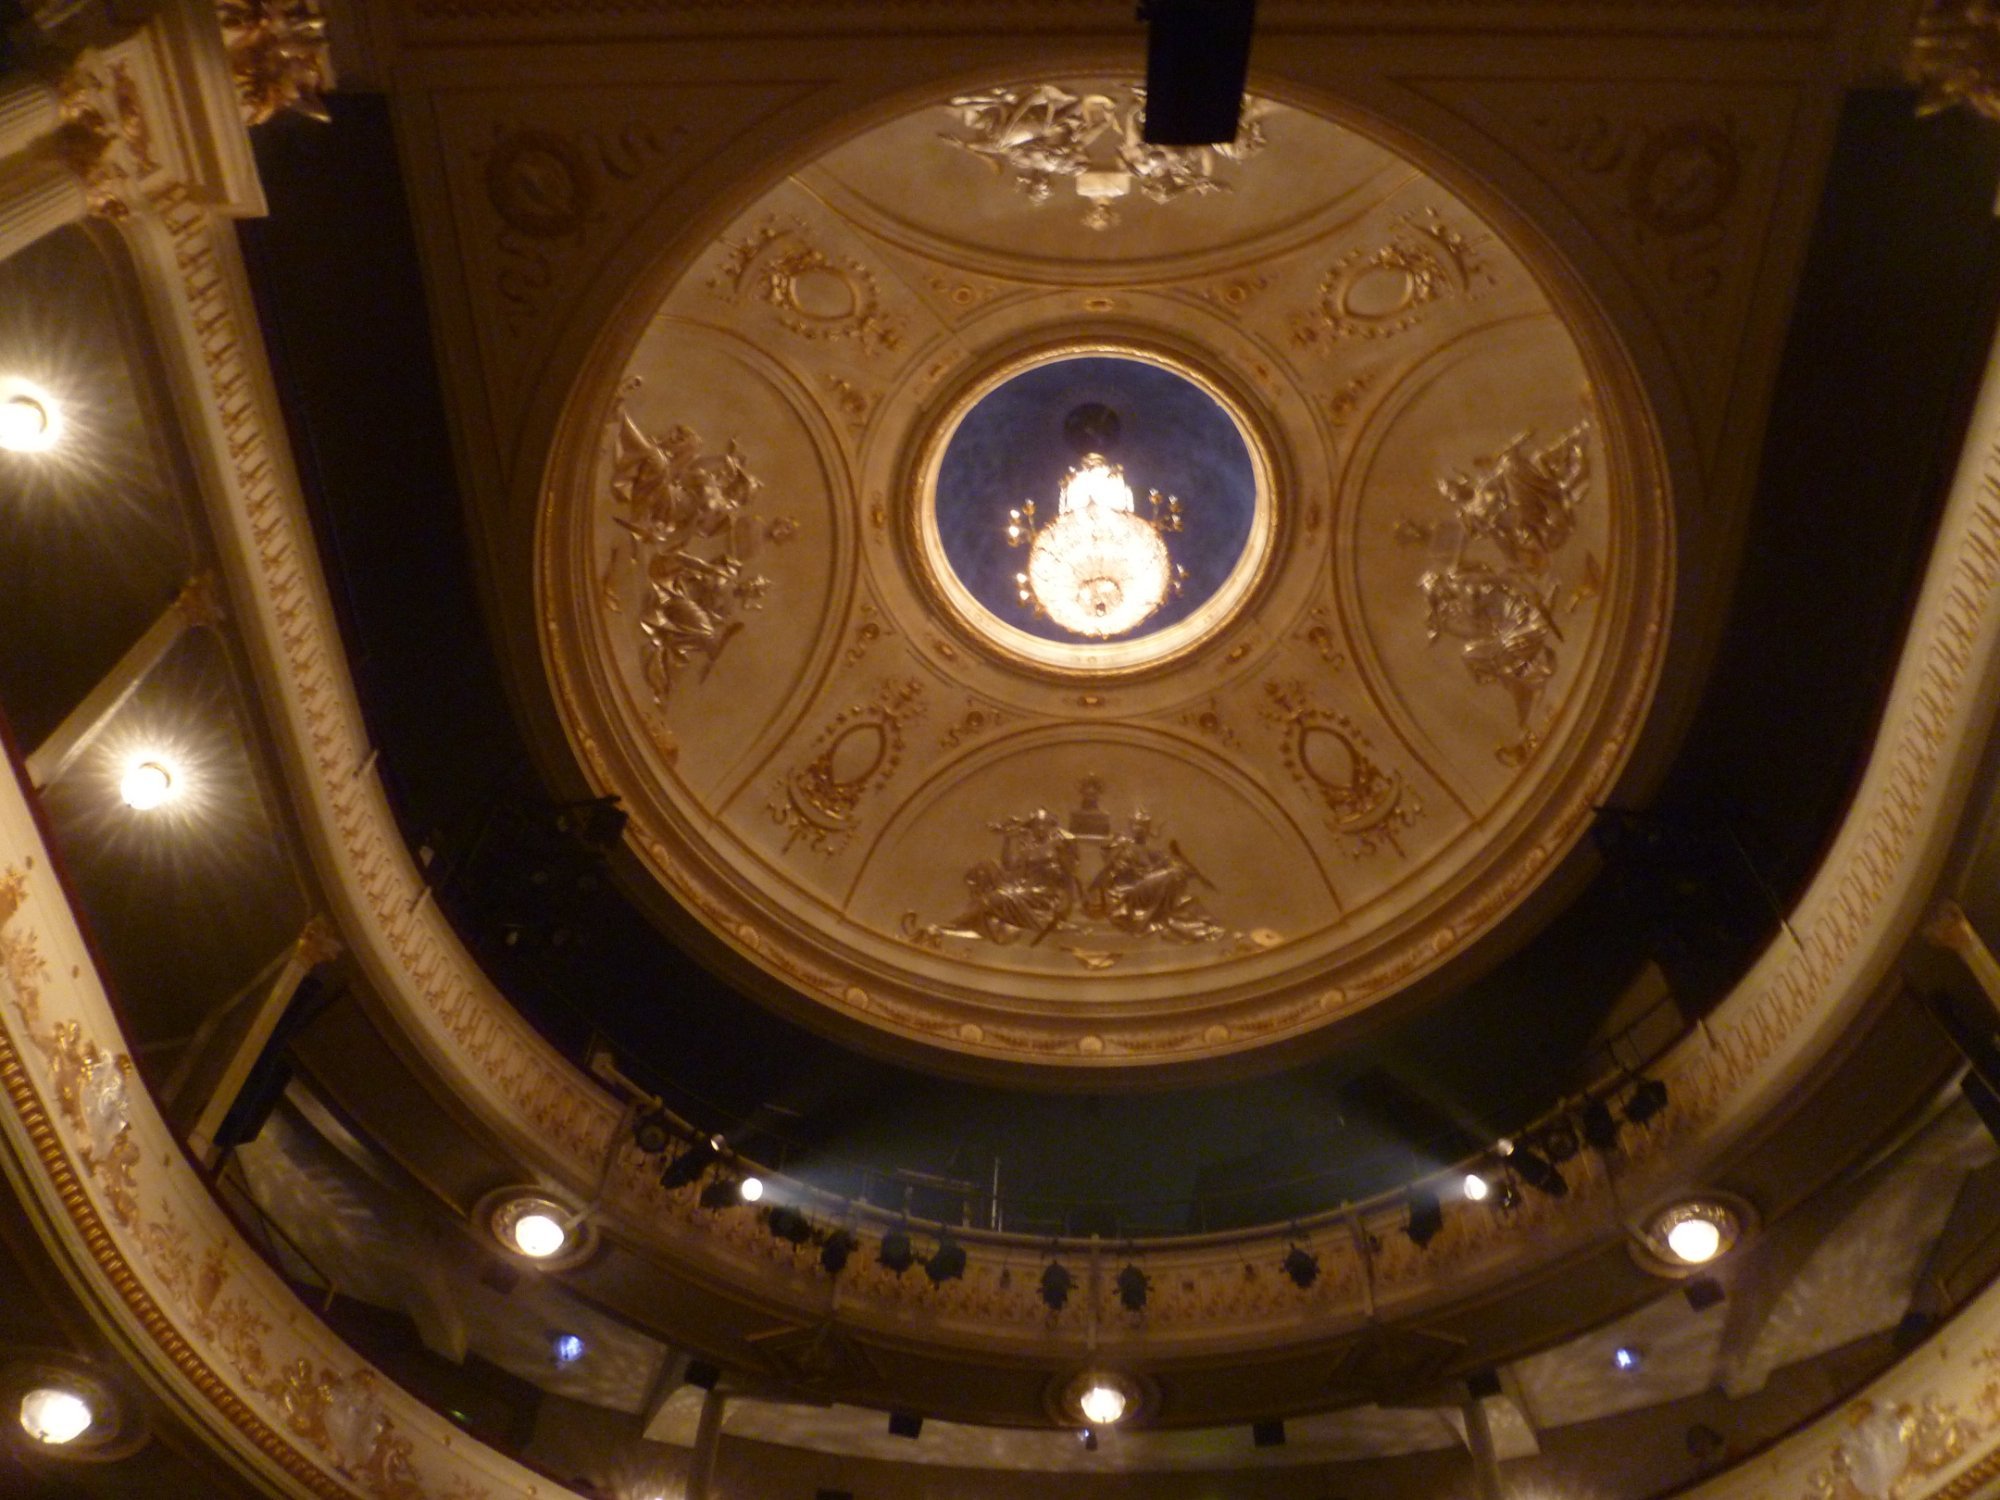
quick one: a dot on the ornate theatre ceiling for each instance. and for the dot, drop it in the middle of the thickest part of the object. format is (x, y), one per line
(941, 774)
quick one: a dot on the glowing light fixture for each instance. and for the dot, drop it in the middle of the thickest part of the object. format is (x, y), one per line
(1102, 1403)
(55, 1416)
(539, 1236)
(536, 1226)
(1696, 1241)
(1477, 1189)
(30, 419)
(1694, 1232)
(567, 1348)
(1626, 1358)
(751, 1189)
(1100, 568)
(146, 784)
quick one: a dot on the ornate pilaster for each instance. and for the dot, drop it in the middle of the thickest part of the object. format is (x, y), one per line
(29, 110)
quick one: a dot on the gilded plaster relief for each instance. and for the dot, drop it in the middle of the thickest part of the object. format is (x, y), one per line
(1379, 292)
(1330, 756)
(814, 295)
(853, 346)
(1142, 884)
(1039, 135)
(858, 751)
(692, 536)
(1495, 587)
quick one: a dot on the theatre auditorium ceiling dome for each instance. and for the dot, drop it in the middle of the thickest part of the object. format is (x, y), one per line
(1049, 600)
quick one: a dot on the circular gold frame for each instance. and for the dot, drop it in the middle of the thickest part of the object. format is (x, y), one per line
(1035, 654)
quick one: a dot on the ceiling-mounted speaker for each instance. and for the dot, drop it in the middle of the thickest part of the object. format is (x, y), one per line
(1268, 1434)
(1197, 59)
(905, 1424)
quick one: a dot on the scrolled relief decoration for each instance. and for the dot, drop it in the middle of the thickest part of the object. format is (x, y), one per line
(684, 573)
(1674, 183)
(1380, 292)
(858, 751)
(342, 1419)
(820, 297)
(1493, 584)
(549, 191)
(1330, 756)
(1143, 887)
(1041, 134)
(1891, 1449)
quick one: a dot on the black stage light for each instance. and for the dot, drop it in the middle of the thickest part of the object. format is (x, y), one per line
(1426, 1217)
(1558, 1141)
(1599, 1125)
(1057, 1283)
(1647, 1099)
(834, 1253)
(905, 1424)
(1534, 1169)
(686, 1169)
(653, 1132)
(789, 1224)
(1301, 1265)
(1133, 1285)
(720, 1192)
(1268, 1434)
(896, 1252)
(947, 1262)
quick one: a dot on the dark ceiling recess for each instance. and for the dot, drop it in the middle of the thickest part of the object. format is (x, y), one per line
(1865, 421)
(1197, 59)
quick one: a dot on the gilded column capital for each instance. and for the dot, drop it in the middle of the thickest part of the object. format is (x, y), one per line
(1954, 56)
(103, 137)
(318, 943)
(280, 56)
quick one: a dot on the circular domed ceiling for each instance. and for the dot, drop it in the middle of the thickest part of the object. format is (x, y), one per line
(1068, 601)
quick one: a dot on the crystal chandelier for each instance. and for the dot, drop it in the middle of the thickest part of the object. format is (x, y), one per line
(1100, 568)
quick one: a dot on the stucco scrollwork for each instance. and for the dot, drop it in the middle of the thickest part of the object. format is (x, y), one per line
(1042, 134)
(691, 540)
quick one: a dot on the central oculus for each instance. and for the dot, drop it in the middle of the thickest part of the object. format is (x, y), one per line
(1094, 508)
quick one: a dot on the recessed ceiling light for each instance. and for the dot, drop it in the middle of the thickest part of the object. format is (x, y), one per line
(1102, 1403)
(30, 419)
(1695, 1241)
(52, 1415)
(1626, 1358)
(147, 784)
(1694, 1232)
(534, 1225)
